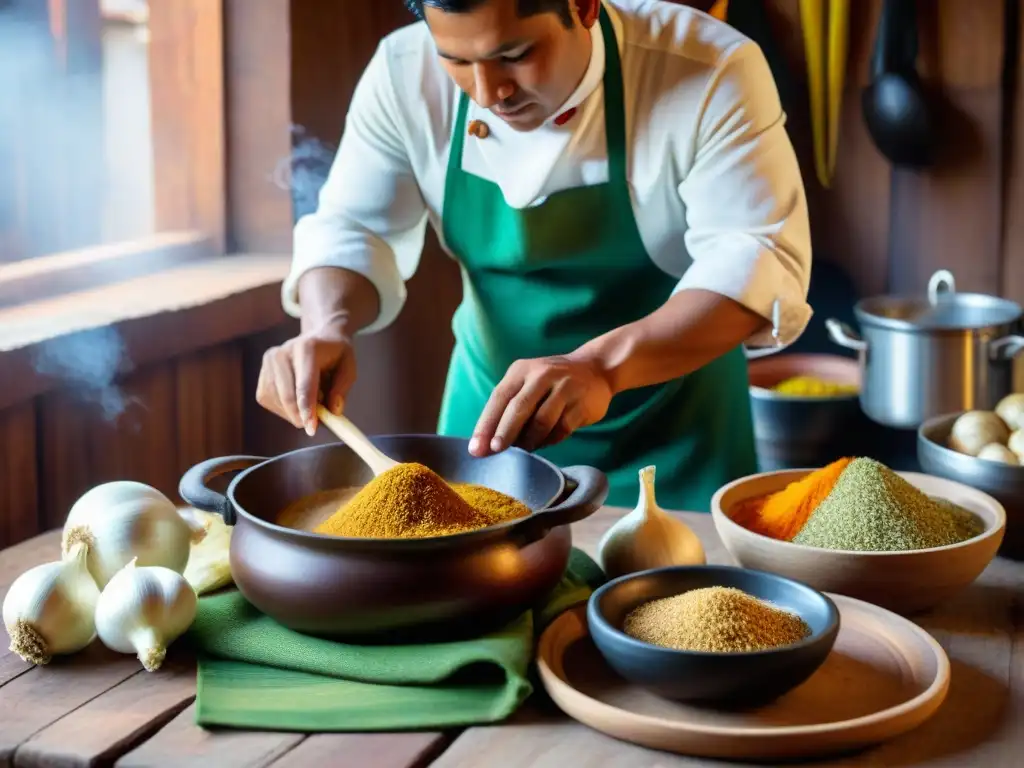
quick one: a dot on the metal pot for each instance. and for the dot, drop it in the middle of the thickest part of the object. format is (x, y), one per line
(926, 356)
(395, 589)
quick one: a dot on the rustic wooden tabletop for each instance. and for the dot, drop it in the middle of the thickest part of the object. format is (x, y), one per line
(100, 708)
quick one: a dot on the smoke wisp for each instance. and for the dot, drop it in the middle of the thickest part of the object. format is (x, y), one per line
(305, 171)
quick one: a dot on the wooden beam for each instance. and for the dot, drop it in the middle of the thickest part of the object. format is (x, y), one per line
(258, 120)
(47, 277)
(119, 328)
(1013, 173)
(19, 481)
(187, 97)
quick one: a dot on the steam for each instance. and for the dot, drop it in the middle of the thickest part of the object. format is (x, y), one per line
(89, 362)
(305, 171)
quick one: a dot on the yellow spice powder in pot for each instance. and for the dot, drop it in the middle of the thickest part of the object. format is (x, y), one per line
(411, 501)
(494, 504)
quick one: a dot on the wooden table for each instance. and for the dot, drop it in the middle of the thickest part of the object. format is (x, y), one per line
(100, 708)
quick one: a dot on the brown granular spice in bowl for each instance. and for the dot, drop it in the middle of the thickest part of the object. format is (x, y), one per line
(410, 501)
(715, 619)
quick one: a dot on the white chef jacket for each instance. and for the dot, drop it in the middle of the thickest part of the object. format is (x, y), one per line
(717, 192)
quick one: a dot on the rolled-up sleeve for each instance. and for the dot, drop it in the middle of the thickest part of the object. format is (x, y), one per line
(748, 232)
(370, 217)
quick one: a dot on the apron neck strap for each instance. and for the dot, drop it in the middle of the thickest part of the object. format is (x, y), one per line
(614, 102)
(614, 106)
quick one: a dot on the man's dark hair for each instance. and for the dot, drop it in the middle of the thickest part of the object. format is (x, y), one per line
(525, 7)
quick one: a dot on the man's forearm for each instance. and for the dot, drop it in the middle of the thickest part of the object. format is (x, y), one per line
(690, 330)
(330, 295)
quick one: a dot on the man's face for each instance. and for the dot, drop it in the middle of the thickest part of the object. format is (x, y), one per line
(520, 68)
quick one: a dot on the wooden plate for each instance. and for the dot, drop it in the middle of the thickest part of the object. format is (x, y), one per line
(884, 677)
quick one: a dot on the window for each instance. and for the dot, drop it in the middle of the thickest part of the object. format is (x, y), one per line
(111, 138)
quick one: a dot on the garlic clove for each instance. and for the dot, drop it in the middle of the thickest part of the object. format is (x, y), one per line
(209, 564)
(648, 537)
(122, 520)
(49, 609)
(143, 609)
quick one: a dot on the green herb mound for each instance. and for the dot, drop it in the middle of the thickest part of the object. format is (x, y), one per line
(872, 509)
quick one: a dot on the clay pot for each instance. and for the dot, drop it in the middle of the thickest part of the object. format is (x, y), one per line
(395, 590)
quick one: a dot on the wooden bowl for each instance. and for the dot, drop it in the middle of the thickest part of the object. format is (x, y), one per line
(741, 679)
(904, 582)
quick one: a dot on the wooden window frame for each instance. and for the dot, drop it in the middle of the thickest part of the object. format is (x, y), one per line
(219, 87)
(189, 102)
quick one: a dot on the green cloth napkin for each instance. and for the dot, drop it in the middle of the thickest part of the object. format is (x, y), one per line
(256, 674)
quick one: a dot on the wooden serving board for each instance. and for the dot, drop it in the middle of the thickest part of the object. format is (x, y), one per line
(885, 677)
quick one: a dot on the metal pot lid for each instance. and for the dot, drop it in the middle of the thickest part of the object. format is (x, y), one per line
(943, 309)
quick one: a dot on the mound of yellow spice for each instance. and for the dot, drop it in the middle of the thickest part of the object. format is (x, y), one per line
(410, 501)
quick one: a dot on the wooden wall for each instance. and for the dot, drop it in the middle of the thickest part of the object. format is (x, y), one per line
(891, 229)
(149, 426)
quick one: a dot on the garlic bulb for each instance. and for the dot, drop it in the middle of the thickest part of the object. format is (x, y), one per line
(209, 565)
(648, 537)
(49, 609)
(124, 520)
(144, 609)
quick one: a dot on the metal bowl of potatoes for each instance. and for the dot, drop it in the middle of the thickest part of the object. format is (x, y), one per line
(1002, 481)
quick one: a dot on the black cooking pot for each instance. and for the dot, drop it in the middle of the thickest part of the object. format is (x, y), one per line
(395, 589)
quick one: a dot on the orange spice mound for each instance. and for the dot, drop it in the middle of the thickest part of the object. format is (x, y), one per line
(410, 501)
(783, 514)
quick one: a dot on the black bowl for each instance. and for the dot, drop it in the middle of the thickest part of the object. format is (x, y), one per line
(744, 679)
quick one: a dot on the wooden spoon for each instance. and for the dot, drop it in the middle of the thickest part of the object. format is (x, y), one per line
(353, 437)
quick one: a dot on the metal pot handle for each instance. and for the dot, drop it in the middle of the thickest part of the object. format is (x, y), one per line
(194, 490)
(941, 282)
(844, 335)
(1005, 348)
(588, 495)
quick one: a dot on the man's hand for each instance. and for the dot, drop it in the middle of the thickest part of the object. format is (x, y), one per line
(541, 402)
(294, 374)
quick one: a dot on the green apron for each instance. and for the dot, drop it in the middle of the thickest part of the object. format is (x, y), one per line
(543, 281)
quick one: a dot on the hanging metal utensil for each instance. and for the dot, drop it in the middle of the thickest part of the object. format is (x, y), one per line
(895, 104)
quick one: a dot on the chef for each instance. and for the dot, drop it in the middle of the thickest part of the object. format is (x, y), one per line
(615, 180)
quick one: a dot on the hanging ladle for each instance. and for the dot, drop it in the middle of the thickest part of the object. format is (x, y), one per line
(894, 103)
(354, 438)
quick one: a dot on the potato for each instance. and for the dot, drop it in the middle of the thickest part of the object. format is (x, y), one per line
(1011, 410)
(999, 453)
(1016, 443)
(976, 429)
